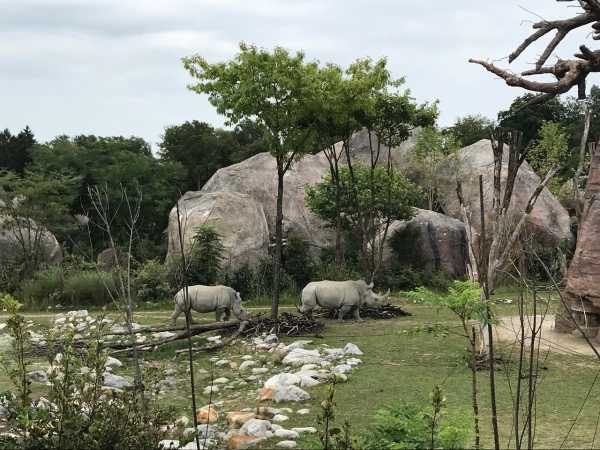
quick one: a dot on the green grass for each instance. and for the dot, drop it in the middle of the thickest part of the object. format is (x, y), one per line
(401, 365)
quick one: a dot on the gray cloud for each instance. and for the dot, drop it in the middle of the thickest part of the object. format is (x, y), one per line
(113, 66)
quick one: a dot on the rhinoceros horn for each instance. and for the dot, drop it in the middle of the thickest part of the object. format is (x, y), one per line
(384, 297)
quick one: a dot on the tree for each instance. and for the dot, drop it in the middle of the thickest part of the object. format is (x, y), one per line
(114, 163)
(32, 205)
(431, 151)
(550, 149)
(202, 149)
(15, 150)
(470, 129)
(277, 90)
(206, 256)
(367, 205)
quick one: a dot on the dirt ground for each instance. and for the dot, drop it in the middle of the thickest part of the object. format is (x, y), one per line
(509, 329)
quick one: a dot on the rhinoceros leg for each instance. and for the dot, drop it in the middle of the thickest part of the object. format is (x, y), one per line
(357, 313)
(227, 314)
(219, 314)
(343, 311)
(175, 315)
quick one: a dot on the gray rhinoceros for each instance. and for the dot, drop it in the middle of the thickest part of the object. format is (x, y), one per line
(342, 296)
(221, 299)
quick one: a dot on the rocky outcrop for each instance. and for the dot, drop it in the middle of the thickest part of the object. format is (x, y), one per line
(12, 239)
(430, 242)
(549, 220)
(583, 280)
(238, 218)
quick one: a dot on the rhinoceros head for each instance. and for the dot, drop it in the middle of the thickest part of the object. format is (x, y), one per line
(238, 310)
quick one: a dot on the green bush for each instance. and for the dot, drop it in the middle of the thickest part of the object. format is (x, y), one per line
(206, 256)
(151, 281)
(297, 263)
(56, 286)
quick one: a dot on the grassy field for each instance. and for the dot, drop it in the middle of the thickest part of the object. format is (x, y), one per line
(401, 365)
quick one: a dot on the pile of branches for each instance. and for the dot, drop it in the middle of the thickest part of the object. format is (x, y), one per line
(288, 324)
(384, 312)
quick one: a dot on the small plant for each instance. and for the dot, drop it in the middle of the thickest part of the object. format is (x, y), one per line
(151, 282)
(330, 436)
(206, 256)
(408, 426)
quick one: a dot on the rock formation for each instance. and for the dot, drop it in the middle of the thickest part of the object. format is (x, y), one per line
(11, 247)
(549, 220)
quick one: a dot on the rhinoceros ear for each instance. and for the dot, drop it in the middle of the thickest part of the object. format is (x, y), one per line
(370, 285)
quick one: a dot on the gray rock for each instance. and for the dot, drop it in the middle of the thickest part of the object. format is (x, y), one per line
(116, 381)
(431, 241)
(11, 249)
(549, 220)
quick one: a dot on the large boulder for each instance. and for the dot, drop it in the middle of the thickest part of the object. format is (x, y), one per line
(12, 240)
(430, 241)
(237, 217)
(549, 221)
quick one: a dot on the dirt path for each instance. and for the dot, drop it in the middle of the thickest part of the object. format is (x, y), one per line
(509, 330)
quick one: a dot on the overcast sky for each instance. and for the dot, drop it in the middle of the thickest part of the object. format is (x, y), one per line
(112, 67)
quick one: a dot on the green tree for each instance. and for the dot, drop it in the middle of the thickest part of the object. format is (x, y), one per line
(31, 205)
(15, 150)
(550, 149)
(368, 205)
(277, 90)
(432, 150)
(470, 129)
(117, 164)
(206, 256)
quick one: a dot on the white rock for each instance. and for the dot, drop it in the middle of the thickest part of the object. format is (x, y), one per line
(38, 376)
(286, 444)
(247, 364)
(163, 335)
(259, 370)
(211, 389)
(257, 428)
(351, 349)
(280, 418)
(286, 410)
(222, 362)
(308, 367)
(167, 444)
(112, 362)
(334, 353)
(286, 434)
(290, 393)
(282, 379)
(305, 430)
(116, 381)
(353, 361)
(221, 380)
(247, 357)
(300, 356)
(342, 368)
(303, 411)
(297, 344)
(271, 339)
(213, 339)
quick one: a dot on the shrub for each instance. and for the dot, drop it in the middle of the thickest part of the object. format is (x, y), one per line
(206, 256)
(151, 281)
(297, 262)
(74, 288)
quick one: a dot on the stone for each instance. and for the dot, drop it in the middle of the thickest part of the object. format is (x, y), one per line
(116, 381)
(39, 376)
(107, 259)
(247, 364)
(257, 428)
(429, 242)
(342, 368)
(207, 414)
(286, 434)
(168, 444)
(236, 419)
(280, 418)
(352, 349)
(286, 444)
(211, 390)
(222, 362)
(282, 379)
(259, 370)
(301, 430)
(353, 361)
(303, 411)
(221, 380)
(297, 344)
(300, 356)
(549, 221)
(242, 442)
(11, 251)
(112, 362)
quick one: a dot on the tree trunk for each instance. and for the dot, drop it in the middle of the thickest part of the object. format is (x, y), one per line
(278, 243)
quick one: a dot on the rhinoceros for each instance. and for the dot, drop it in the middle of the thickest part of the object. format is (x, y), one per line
(342, 296)
(221, 299)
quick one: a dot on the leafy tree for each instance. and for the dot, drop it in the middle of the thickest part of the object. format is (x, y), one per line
(470, 129)
(551, 149)
(206, 256)
(15, 150)
(29, 206)
(528, 119)
(432, 149)
(117, 164)
(202, 149)
(277, 90)
(368, 205)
